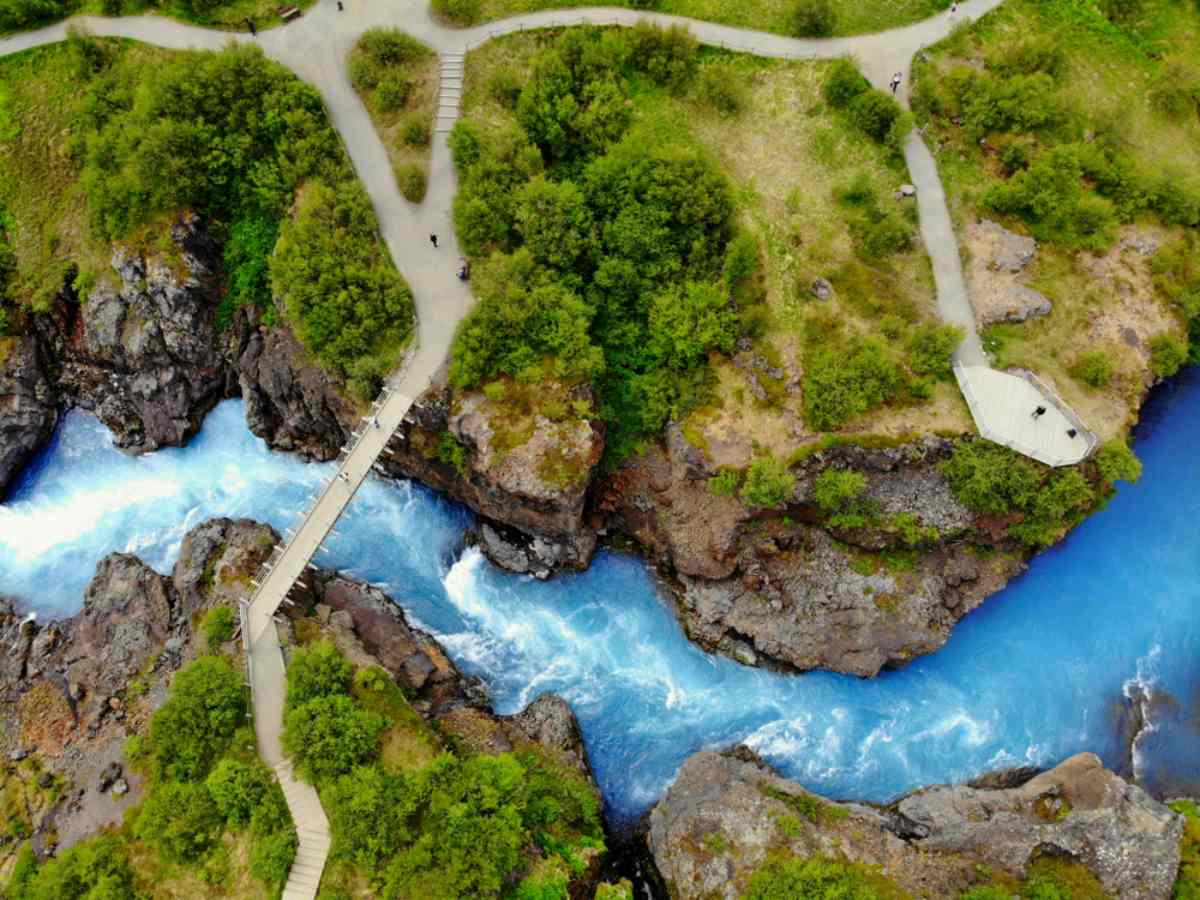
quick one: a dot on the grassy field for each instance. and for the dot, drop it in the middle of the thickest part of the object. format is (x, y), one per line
(1108, 87)
(397, 78)
(789, 158)
(761, 15)
(231, 15)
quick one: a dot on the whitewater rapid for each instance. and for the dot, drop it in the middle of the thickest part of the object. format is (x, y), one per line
(1039, 672)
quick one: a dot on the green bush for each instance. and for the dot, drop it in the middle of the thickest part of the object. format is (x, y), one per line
(878, 233)
(874, 113)
(991, 479)
(207, 703)
(1175, 91)
(272, 855)
(415, 131)
(413, 181)
(789, 878)
(1187, 884)
(1028, 55)
(391, 93)
(505, 86)
(369, 811)
(180, 820)
(687, 321)
(95, 869)
(451, 451)
(768, 483)
(460, 12)
(1094, 368)
(840, 384)
(1061, 502)
(271, 814)
(667, 55)
(722, 88)
(217, 626)
(931, 349)
(812, 19)
(391, 46)
(725, 483)
(318, 670)
(18, 15)
(365, 73)
(843, 83)
(247, 257)
(1116, 462)
(837, 492)
(334, 278)
(330, 735)
(1168, 353)
(237, 788)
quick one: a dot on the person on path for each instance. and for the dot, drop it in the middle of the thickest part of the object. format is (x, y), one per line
(433, 240)
(340, 7)
(896, 79)
(953, 9)
(253, 29)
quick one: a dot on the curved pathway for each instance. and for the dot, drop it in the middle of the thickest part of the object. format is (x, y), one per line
(316, 48)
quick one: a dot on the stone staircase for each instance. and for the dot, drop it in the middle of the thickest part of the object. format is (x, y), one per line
(450, 92)
(312, 828)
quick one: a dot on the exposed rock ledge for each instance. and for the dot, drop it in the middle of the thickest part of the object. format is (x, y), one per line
(145, 354)
(720, 820)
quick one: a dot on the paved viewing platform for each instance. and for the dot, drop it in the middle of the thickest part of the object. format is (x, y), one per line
(316, 48)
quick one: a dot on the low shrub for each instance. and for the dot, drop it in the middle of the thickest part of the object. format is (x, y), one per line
(725, 483)
(369, 811)
(180, 820)
(217, 626)
(1168, 353)
(207, 703)
(505, 85)
(931, 349)
(843, 83)
(837, 492)
(875, 113)
(816, 878)
(330, 735)
(768, 483)
(1095, 368)
(812, 19)
(1187, 884)
(391, 46)
(723, 89)
(415, 131)
(840, 384)
(413, 181)
(237, 788)
(459, 12)
(667, 55)
(271, 857)
(391, 93)
(318, 670)
(1116, 462)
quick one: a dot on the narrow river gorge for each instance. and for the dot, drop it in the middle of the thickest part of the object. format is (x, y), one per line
(1100, 626)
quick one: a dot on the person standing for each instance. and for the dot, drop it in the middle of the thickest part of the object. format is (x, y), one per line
(953, 9)
(253, 29)
(896, 79)
(433, 240)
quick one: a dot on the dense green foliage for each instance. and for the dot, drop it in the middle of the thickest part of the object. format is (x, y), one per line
(931, 348)
(841, 383)
(181, 820)
(813, 18)
(92, 870)
(217, 626)
(817, 879)
(328, 736)
(1042, 502)
(234, 137)
(838, 493)
(196, 724)
(1116, 462)
(16, 15)
(872, 111)
(237, 789)
(1187, 885)
(452, 826)
(1095, 368)
(768, 483)
(1071, 173)
(317, 670)
(606, 246)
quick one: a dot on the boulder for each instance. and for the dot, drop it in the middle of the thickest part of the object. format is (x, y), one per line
(28, 409)
(727, 813)
(1017, 304)
(821, 289)
(1008, 252)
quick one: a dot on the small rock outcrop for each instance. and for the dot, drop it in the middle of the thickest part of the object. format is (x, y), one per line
(28, 408)
(291, 402)
(143, 355)
(534, 521)
(782, 590)
(726, 813)
(998, 262)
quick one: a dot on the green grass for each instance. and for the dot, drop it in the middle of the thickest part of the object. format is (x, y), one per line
(230, 15)
(761, 15)
(1103, 86)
